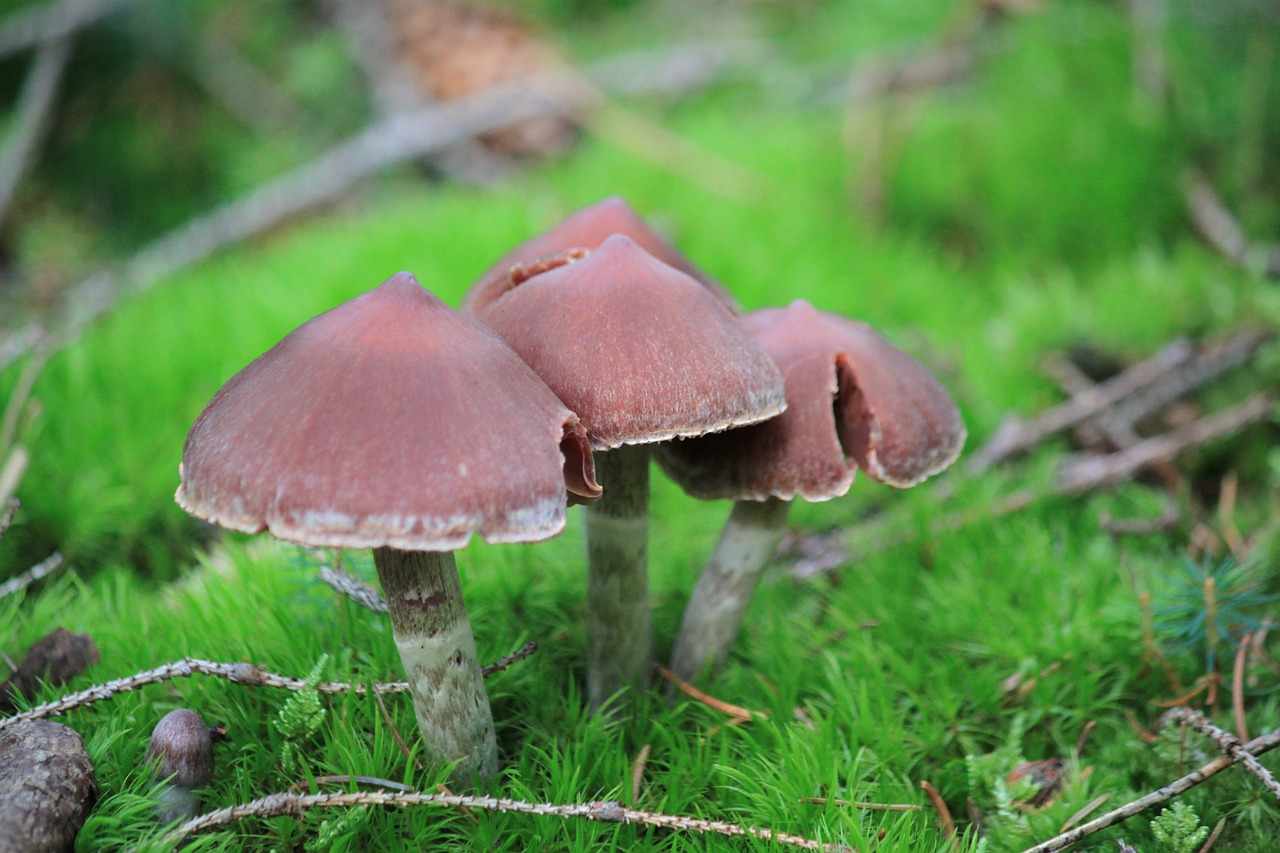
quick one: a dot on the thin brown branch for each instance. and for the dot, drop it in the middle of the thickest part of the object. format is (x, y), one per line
(35, 105)
(515, 657)
(1225, 741)
(1147, 24)
(283, 804)
(1255, 747)
(37, 25)
(1081, 475)
(395, 732)
(1221, 230)
(358, 591)
(1093, 805)
(1237, 688)
(45, 567)
(944, 814)
(9, 507)
(735, 711)
(345, 779)
(1103, 429)
(1016, 435)
(1168, 519)
(384, 143)
(1213, 836)
(637, 771)
(1202, 368)
(1112, 426)
(11, 471)
(243, 89)
(246, 674)
(858, 804)
(17, 406)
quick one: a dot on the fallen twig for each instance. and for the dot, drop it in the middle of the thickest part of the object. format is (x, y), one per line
(1255, 747)
(734, 711)
(1105, 428)
(385, 143)
(11, 471)
(502, 663)
(6, 514)
(345, 779)
(1082, 474)
(41, 569)
(1016, 435)
(356, 590)
(1213, 836)
(382, 144)
(41, 24)
(858, 804)
(1225, 741)
(17, 406)
(637, 771)
(395, 732)
(1221, 230)
(278, 805)
(246, 674)
(1168, 519)
(1147, 24)
(1197, 371)
(1093, 805)
(35, 104)
(1237, 688)
(944, 814)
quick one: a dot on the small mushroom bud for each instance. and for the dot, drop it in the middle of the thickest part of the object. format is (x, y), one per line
(181, 754)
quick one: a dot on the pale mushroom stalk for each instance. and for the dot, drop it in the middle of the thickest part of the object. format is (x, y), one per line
(619, 632)
(854, 401)
(438, 652)
(714, 613)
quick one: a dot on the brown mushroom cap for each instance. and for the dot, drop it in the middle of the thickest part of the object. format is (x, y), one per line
(853, 400)
(182, 747)
(585, 229)
(391, 420)
(639, 350)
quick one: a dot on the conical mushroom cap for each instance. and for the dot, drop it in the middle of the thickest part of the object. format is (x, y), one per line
(853, 400)
(391, 420)
(585, 229)
(639, 350)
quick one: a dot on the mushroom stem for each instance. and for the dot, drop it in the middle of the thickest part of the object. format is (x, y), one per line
(619, 636)
(433, 635)
(719, 600)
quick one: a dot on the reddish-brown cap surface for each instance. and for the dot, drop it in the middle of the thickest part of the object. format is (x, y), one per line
(182, 747)
(391, 420)
(853, 400)
(586, 229)
(639, 350)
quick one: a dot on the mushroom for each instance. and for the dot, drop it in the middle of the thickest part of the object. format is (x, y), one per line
(395, 423)
(643, 354)
(181, 757)
(585, 229)
(853, 400)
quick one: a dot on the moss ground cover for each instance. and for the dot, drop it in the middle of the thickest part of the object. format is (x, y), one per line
(1035, 206)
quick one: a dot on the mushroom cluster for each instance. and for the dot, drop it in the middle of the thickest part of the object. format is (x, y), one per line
(395, 423)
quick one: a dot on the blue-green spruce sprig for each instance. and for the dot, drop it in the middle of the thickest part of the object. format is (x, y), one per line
(1210, 607)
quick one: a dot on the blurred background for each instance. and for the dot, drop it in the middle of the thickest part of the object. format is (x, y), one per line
(982, 179)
